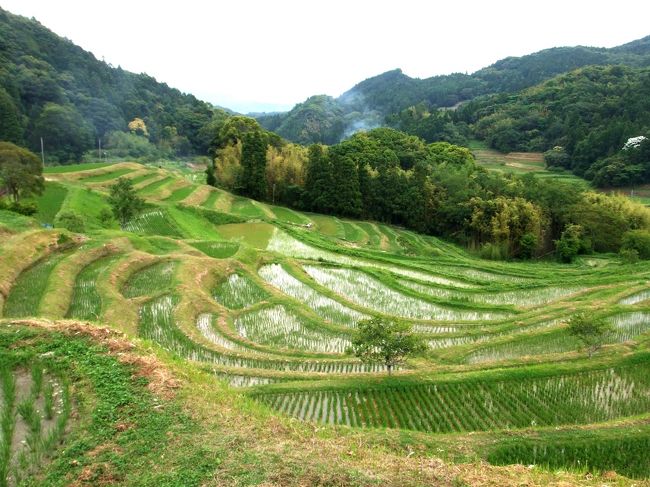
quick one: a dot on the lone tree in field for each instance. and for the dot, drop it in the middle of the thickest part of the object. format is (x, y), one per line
(590, 331)
(124, 201)
(385, 342)
(21, 172)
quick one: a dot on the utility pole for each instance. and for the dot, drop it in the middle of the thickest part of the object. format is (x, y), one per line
(273, 193)
(99, 148)
(42, 152)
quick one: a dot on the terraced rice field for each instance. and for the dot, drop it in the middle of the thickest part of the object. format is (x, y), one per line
(154, 222)
(27, 291)
(368, 292)
(281, 328)
(482, 406)
(150, 280)
(86, 302)
(325, 307)
(267, 299)
(239, 291)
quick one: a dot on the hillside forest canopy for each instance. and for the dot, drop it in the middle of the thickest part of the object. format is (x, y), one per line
(411, 170)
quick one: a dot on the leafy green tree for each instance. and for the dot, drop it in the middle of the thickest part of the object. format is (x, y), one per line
(65, 132)
(124, 201)
(386, 342)
(570, 243)
(253, 161)
(21, 171)
(592, 332)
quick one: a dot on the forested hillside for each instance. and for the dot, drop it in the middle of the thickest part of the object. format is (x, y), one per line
(583, 118)
(53, 89)
(377, 100)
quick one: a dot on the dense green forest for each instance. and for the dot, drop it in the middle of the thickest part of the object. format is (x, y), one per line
(392, 177)
(584, 118)
(379, 100)
(53, 89)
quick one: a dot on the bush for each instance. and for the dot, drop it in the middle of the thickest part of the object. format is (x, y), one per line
(638, 241)
(70, 221)
(27, 209)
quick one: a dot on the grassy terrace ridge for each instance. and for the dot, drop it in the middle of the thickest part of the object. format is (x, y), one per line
(247, 309)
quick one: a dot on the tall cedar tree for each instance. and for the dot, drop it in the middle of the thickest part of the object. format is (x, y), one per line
(253, 161)
(346, 192)
(318, 180)
(10, 128)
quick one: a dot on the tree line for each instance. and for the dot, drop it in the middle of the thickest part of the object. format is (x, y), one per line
(389, 176)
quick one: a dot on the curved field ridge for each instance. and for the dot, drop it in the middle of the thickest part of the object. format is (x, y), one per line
(367, 291)
(325, 307)
(478, 406)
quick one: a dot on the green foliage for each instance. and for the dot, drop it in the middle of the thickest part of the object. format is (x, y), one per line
(253, 161)
(88, 98)
(124, 201)
(70, 221)
(623, 451)
(386, 342)
(319, 119)
(582, 119)
(592, 332)
(127, 145)
(66, 134)
(11, 129)
(570, 243)
(637, 241)
(21, 171)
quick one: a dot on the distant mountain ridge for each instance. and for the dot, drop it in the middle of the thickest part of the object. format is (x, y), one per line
(326, 119)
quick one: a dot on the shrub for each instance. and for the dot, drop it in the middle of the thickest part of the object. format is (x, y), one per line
(639, 241)
(70, 221)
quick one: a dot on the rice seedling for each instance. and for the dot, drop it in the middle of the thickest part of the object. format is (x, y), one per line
(367, 291)
(217, 250)
(236, 380)
(579, 398)
(636, 297)
(628, 326)
(107, 176)
(86, 303)
(150, 280)
(205, 324)
(624, 451)
(277, 327)
(154, 186)
(157, 323)
(7, 422)
(284, 244)
(27, 291)
(323, 306)
(180, 194)
(153, 222)
(239, 291)
(48, 400)
(519, 297)
(555, 342)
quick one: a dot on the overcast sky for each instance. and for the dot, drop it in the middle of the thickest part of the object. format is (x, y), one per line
(270, 54)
